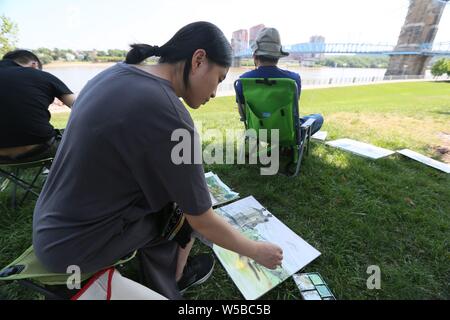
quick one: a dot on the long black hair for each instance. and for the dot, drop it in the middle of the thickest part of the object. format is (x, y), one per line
(197, 35)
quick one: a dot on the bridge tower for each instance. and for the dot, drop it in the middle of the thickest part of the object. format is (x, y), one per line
(421, 25)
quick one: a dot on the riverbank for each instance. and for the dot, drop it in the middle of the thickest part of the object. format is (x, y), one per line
(311, 85)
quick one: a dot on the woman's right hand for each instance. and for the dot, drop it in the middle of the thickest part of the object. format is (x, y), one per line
(217, 230)
(268, 254)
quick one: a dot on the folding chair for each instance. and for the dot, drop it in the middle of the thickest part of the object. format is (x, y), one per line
(270, 103)
(30, 273)
(13, 172)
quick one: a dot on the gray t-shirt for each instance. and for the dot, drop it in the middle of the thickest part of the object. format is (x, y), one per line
(113, 169)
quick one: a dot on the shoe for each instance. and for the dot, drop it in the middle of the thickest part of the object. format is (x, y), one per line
(197, 270)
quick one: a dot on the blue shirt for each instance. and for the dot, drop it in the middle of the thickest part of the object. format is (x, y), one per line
(270, 72)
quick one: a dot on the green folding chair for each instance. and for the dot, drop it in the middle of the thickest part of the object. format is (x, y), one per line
(15, 173)
(29, 272)
(270, 103)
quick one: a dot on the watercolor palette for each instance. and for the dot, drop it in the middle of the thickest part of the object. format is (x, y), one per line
(312, 286)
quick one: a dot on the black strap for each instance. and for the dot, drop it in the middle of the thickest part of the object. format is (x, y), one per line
(266, 81)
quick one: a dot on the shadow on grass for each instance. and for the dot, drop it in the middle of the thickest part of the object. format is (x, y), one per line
(443, 81)
(445, 113)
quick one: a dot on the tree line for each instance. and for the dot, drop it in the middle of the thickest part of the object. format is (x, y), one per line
(340, 62)
(354, 62)
(49, 55)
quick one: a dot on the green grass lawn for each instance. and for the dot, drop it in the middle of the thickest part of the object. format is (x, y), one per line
(394, 212)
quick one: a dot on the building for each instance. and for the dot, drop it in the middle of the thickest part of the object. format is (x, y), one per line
(239, 40)
(254, 32)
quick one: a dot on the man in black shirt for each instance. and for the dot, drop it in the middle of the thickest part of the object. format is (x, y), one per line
(25, 95)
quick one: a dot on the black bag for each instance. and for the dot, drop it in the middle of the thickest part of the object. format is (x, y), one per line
(174, 225)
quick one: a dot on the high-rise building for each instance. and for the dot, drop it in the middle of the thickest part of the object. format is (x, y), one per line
(254, 32)
(239, 40)
(317, 39)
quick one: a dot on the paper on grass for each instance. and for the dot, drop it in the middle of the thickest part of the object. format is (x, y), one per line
(425, 160)
(219, 192)
(320, 135)
(361, 148)
(255, 222)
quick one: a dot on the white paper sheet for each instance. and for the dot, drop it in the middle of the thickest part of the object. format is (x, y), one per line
(361, 148)
(320, 135)
(425, 160)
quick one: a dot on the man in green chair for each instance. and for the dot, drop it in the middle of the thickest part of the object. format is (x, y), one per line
(267, 51)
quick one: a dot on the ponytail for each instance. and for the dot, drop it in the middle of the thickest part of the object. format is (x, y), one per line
(181, 47)
(140, 52)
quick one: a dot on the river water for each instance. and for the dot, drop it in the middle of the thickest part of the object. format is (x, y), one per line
(75, 77)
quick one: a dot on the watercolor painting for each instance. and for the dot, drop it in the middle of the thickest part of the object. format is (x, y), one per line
(257, 223)
(219, 192)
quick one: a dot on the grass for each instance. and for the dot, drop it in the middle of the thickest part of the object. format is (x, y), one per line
(394, 213)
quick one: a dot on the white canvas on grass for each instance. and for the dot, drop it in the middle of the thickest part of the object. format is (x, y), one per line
(219, 192)
(425, 160)
(361, 148)
(255, 222)
(320, 135)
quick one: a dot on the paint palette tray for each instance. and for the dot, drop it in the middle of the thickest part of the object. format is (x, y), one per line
(312, 286)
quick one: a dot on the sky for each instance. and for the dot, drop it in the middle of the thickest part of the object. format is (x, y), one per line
(109, 24)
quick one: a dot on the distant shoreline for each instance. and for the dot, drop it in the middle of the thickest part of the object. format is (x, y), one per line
(66, 64)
